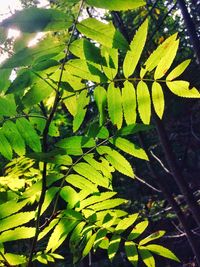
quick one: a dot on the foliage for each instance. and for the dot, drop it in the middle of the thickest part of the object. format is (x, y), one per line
(56, 153)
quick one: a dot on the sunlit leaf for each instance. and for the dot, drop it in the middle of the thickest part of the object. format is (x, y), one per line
(115, 105)
(147, 257)
(144, 102)
(116, 4)
(162, 251)
(111, 58)
(129, 103)
(166, 61)
(178, 70)
(17, 234)
(8, 106)
(129, 147)
(117, 160)
(100, 97)
(113, 246)
(151, 237)
(125, 223)
(138, 229)
(131, 252)
(182, 89)
(105, 34)
(158, 99)
(136, 46)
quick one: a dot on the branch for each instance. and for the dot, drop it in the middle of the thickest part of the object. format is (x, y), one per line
(45, 141)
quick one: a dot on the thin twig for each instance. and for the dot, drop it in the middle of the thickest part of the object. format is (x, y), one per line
(147, 184)
(160, 162)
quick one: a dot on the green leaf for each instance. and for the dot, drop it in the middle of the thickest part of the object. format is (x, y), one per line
(178, 70)
(47, 229)
(100, 97)
(129, 102)
(48, 47)
(151, 237)
(17, 234)
(103, 166)
(157, 55)
(91, 174)
(138, 230)
(53, 156)
(76, 236)
(60, 233)
(15, 259)
(10, 207)
(49, 196)
(131, 252)
(182, 89)
(158, 99)
(69, 195)
(101, 234)
(107, 204)
(85, 70)
(35, 94)
(147, 257)
(115, 105)
(74, 144)
(144, 102)
(81, 183)
(83, 101)
(133, 129)
(37, 19)
(5, 148)
(12, 134)
(113, 246)
(125, 223)
(16, 220)
(29, 134)
(136, 47)
(166, 61)
(111, 57)
(89, 245)
(95, 199)
(86, 50)
(117, 160)
(129, 147)
(105, 34)
(116, 4)
(162, 251)
(4, 81)
(7, 104)
(21, 82)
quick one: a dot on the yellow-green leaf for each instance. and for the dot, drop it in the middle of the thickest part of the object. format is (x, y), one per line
(116, 4)
(131, 252)
(144, 102)
(162, 251)
(151, 237)
(89, 245)
(147, 257)
(181, 88)
(136, 47)
(100, 97)
(156, 56)
(125, 223)
(178, 70)
(5, 148)
(117, 160)
(113, 246)
(166, 60)
(115, 105)
(129, 103)
(158, 99)
(111, 58)
(138, 230)
(129, 147)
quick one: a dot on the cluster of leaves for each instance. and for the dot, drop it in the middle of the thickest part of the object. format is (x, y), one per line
(79, 168)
